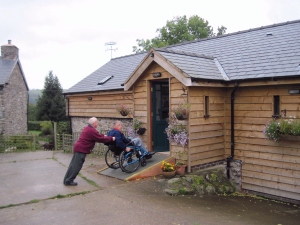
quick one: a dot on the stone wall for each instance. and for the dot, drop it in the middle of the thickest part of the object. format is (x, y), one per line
(78, 123)
(15, 100)
(236, 173)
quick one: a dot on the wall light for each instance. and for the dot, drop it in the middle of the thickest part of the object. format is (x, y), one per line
(157, 74)
(90, 98)
(293, 92)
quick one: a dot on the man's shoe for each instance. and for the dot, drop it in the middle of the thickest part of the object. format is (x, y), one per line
(71, 183)
(151, 153)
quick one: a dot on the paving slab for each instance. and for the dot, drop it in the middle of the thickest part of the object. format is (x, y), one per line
(38, 175)
(28, 176)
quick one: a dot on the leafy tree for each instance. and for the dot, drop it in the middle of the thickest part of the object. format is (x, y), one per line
(51, 104)
(178, 30)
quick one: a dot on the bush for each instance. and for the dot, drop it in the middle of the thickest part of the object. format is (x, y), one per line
(34, 125)
(46, 128)
(63, 128)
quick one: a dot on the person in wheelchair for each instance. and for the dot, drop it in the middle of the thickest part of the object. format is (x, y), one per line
(122, 142)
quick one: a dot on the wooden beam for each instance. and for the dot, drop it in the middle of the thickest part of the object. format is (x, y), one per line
(138, 72)
(172, 69)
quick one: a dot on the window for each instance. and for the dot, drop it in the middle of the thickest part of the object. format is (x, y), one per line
(276, 106)
(206, 107)
(105, 80)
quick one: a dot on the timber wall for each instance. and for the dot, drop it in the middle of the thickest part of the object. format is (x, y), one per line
(268, 166)
(206, 138)
(102, 105)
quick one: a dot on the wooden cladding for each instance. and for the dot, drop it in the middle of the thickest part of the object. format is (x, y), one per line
(100, 105)
(268, 166)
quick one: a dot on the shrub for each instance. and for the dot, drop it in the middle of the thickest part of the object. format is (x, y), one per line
(46, 128)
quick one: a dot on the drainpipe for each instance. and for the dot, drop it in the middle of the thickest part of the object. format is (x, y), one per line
(229, 158)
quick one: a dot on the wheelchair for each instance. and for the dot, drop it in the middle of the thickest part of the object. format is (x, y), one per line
(128, 161)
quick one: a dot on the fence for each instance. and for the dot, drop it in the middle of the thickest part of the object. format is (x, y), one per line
(16, 143)
(63, 142)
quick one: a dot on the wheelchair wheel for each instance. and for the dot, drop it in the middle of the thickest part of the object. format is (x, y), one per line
(143, 161)
(129, 161)
(111, 161)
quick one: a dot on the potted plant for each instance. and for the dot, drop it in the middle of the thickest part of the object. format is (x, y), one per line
(137, 127)
(181, 159)
(177, 133)
(181, 111)
(168, 169)
(123, 109)
(180, 167)
(277, 130)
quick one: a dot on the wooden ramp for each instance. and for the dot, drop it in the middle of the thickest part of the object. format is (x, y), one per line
(151, 169)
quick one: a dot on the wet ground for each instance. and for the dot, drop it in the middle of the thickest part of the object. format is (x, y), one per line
(32, 192)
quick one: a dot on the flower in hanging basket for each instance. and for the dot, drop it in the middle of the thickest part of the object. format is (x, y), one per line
(123, 109)
(167, 167)
(181, 111)
(276, 130)
(177, 133)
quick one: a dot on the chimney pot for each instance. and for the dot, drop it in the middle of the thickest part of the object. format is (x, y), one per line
(9, 41)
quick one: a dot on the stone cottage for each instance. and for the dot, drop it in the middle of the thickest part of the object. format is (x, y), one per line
(13, 92)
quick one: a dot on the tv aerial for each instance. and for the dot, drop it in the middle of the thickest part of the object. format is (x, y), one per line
(110, 47)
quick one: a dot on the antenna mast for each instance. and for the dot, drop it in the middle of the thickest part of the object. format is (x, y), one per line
(111, 43)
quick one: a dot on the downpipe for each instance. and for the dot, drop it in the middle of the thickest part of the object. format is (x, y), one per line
(230, 158)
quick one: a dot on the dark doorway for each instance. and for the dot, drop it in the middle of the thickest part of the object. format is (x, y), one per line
(160, 107)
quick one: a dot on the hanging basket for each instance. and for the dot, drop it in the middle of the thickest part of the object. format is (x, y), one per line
(124, 113)
(141, 131)
(181, 117)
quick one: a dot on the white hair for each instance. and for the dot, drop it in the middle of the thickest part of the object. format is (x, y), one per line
(92, 120)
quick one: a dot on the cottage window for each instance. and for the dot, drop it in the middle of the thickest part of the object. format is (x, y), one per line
(206, 106)
(276, 106)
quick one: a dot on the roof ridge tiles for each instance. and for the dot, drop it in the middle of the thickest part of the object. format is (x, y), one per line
(185, 53)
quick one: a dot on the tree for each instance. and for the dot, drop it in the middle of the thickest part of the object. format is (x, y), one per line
(178, 30)
(51, 104)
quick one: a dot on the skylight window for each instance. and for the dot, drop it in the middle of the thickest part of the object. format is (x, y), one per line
(105, 80)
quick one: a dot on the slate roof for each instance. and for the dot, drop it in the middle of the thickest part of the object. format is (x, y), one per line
(195, 65)
(6, 68)
(119, 68)
(269, 51)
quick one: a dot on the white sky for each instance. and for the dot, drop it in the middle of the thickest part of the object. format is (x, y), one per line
(69, 36)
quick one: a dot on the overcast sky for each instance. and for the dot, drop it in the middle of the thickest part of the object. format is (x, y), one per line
(69, 36)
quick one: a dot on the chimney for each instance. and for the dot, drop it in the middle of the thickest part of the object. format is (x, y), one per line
(9, 51)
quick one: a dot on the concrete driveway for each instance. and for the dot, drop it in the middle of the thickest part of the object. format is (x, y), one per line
(32, 192)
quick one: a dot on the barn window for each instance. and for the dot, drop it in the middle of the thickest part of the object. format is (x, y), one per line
(276, 106)
(206, 106)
